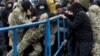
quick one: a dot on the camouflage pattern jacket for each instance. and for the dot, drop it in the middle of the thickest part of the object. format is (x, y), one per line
(17, 17)
(94, 14)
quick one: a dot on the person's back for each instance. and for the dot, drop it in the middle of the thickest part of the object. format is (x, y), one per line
(15, 18)
(81, 23)
(84, 28)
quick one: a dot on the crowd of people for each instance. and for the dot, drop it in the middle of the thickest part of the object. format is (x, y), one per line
(82, 27)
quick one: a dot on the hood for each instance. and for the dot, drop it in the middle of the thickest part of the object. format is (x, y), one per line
(85, 3)
(94, 8)
(76, 8)
(17, 5)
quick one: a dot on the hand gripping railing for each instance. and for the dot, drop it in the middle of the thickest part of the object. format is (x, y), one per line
(47, 34)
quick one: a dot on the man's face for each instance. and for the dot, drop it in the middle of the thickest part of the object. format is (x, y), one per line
(59, 10)
(29, 13)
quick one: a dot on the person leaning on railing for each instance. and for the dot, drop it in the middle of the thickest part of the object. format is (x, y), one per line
(32, 35)
(82, 29)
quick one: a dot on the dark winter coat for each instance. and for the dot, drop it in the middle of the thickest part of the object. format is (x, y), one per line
(81, 24)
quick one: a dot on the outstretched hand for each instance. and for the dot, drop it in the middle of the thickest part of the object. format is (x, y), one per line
(64, 42)
(62, 16)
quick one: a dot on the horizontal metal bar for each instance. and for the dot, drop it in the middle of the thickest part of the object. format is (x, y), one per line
(28, 24)
(58, 50)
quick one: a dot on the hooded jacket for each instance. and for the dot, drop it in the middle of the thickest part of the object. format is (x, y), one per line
(85, 3)
(80, 24)
(17, 17)
(94, 13)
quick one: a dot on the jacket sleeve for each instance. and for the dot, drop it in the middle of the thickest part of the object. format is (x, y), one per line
(1, 33)
(20, 16)
(76, 22)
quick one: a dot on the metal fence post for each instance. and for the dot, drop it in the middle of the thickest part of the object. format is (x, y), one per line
(47, 39)
(58, 32)
(14, 42)
(47, 35)
(64, 29)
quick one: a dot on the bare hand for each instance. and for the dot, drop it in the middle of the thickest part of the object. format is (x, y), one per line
(69, 12)
(34, 18)
(62, 16)
(64, 42)
(10, 42)
(30, 20)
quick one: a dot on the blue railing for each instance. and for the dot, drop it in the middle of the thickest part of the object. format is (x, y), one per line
(47, 34)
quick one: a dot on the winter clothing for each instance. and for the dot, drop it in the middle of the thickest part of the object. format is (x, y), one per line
(81, 26)
(94, 14)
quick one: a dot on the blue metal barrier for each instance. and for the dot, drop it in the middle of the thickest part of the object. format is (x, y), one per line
(47, 39)
(47, 34)
(56, 54)
(15, 42)
(58, 33)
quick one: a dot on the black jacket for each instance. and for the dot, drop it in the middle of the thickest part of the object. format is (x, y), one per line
(2, 39)
(81, 27)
